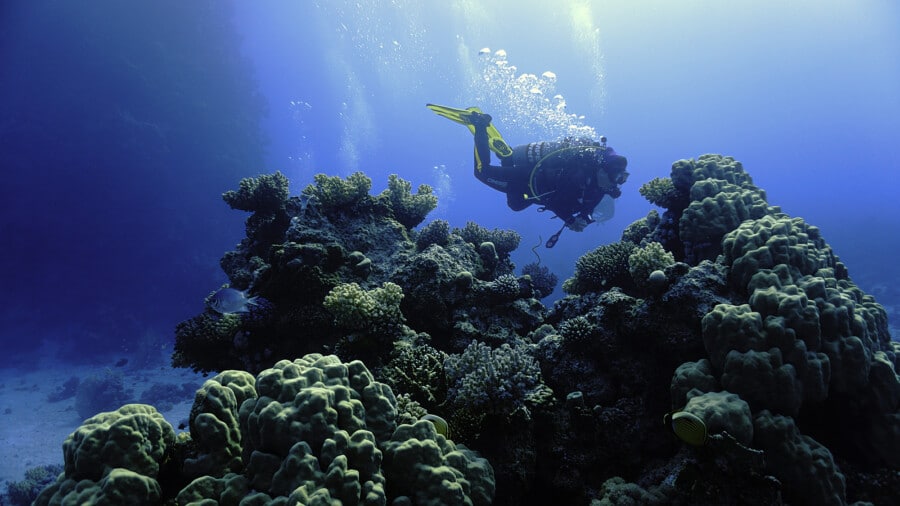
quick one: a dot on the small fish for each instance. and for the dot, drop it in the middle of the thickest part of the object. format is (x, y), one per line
(229, 300)
(440, 425)
(689, 427)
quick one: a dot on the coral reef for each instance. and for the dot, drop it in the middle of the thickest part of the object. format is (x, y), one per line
(601, 269)
(100, 392)
(722, 307)
(408, 209)
(417, 370)
(661, 192)
(500, 381)
(504, 241)
(310, 431)
(646, 260)
(543, 281)
(346, 263)
(370, 311)
(436, 232)
(24, 492)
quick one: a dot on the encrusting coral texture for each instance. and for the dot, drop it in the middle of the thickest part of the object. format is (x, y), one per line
(310, 431)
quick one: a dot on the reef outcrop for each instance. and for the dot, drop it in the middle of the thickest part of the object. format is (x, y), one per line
(718, 306)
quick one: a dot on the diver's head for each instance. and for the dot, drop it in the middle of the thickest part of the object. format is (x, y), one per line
(611, 171)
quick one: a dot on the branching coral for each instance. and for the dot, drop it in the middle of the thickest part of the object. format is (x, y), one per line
(542, 280)
(504, 288)
(647, 259)
(640, 229)
(335, 193)
(370, 311)
(418, 370)
(264, 194)
(601, 269)
(408, 209)
(203, 342)
(661, 192)
(436, 232)
(504, 241)
(578, 330)
(492, 381)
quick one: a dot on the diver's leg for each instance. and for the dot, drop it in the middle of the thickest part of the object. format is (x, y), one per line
(482, 147)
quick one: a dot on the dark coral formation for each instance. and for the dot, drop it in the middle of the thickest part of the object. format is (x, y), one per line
(722, 307)
(348, 264)
(543, 281)
(601, 269)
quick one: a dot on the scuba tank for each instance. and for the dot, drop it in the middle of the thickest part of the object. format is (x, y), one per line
(549, 159)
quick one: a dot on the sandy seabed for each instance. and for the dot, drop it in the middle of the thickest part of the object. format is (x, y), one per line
(32, 430)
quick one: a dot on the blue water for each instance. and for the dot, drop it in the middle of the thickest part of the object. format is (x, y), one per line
(121, 125)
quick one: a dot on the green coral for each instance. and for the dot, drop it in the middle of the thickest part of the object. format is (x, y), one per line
(418, 371)
(203, 341)
(24, 492)
(660, 192)
(309, 431)
(118, 486)
(335, 193)
(436, 232)
(578, 330)
(804, 466)
(264, 194)
(763, 380)
(601, 269)
(428, 470)
(105, 441)
(215, 430)
(371, 311)
(718, 207)
(710, 166)
(408, 209)
(647, 259)
(504, 288)
(728, 327)
(722, 411)
(499, 381)
(690, 376)
(640, 229)
(114, 458)
(504, 241)
(771, 240)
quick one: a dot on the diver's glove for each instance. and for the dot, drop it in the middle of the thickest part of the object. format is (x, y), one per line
(577, 224)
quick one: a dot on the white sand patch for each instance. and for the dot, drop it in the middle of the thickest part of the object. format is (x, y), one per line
(32, 430)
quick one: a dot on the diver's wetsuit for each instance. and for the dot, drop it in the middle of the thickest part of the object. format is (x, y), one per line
(565, 181)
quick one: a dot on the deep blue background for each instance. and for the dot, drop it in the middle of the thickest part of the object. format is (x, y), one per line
(123, 122)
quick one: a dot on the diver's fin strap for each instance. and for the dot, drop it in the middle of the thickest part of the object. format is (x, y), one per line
(498, 145)
(464, 117)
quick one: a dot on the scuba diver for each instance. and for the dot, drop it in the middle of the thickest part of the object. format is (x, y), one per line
(572, 178)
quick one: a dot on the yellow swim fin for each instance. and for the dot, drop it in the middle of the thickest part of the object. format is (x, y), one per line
(464, 117)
